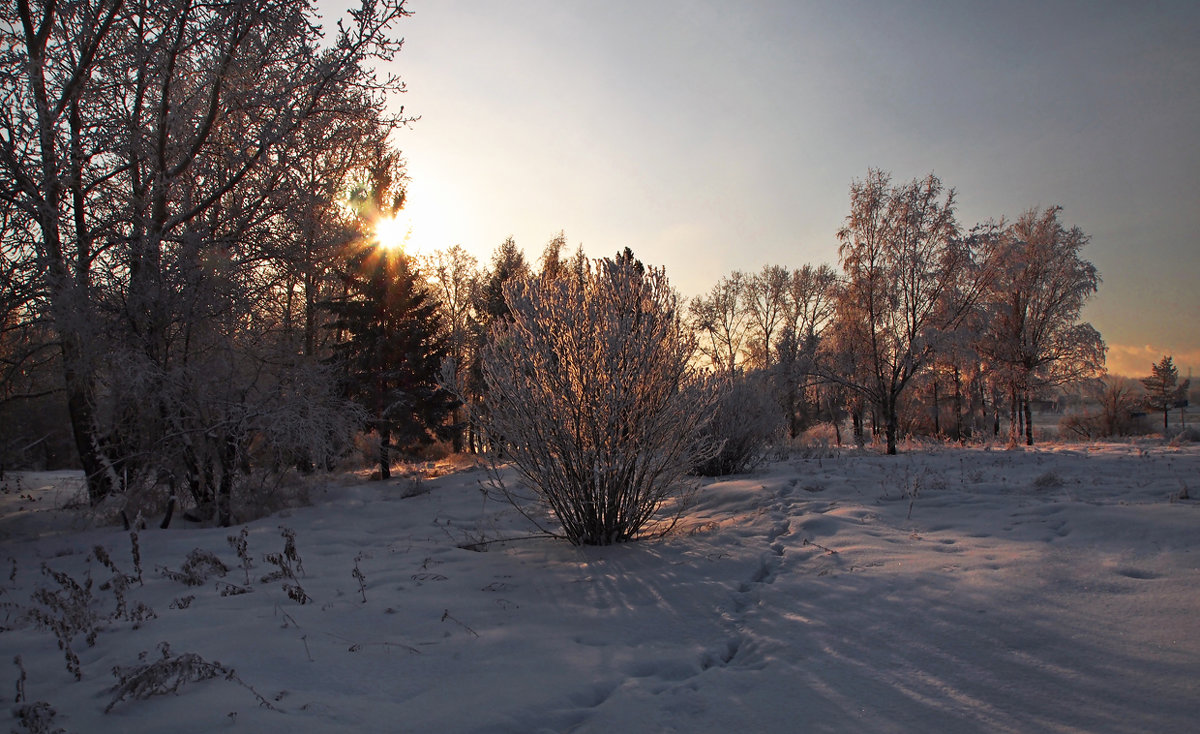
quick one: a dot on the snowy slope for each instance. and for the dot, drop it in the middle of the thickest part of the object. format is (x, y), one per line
(1055, 589)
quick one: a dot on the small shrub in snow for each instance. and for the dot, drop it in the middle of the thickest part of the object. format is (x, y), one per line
(183, 602)
(286, 565)
(197, 569)
(1188, 434)
(68, 612)
(72, 609)
(359, 577)
(818, 442)
(241, 546)
(1048, 480)
(136, 552)
(167, 675)
(37, 718)
(746, 421)
(591, 395)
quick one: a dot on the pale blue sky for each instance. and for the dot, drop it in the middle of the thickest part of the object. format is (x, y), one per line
(710, 136)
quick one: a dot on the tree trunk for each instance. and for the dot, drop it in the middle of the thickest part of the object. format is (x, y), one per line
(456, 441)
(937, 411)
(99, 471)
(1028, 420)
(958, 422)
(837, 424)
(891, 421)
(1013, 425)
(225, 493)
(385, 462)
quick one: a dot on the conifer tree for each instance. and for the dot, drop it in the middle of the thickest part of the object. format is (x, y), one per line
(1162, 388)
(391, 347)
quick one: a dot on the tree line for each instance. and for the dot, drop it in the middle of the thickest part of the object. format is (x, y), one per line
(179, 182)
(189, 283)
(923, 314)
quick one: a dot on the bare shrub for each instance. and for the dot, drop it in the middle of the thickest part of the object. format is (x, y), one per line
(591, 395)
(67, 612)
(167, 675)
(287, 564)
(746, 421)
(1119, 415)
(1187, 434)
(196, 570)
(37, 718)
(818, 442)
(1048, 480)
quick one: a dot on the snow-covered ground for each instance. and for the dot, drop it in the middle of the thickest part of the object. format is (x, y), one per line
(1055, 589)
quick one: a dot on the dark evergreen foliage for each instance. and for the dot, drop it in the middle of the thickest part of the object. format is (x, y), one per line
(391, 346)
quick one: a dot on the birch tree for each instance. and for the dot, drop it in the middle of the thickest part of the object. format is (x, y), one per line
(1039, 289)
(720, 319)
(903, 263)
(766, 303)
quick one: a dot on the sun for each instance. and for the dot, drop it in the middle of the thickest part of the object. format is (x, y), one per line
(394, 233)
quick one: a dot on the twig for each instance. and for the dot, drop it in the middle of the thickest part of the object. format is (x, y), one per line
(829, 551)
(446, 615)
(356, 646)
(479, 545)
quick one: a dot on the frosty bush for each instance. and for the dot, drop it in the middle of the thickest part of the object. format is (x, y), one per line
(817, 442)
(747, 420)
(590, 395)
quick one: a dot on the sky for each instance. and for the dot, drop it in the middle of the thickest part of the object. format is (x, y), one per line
(714, 136)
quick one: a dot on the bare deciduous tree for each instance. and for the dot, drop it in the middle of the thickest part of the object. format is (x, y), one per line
(145, 143)
(1033, 305)
(720, 318)
(909, 278)
(766, 304)
(454, 274)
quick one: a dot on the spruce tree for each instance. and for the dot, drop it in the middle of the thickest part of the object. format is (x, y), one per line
(1162, 388)
(391, 347)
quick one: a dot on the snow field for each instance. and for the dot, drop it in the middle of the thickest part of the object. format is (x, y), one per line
(1055, 589)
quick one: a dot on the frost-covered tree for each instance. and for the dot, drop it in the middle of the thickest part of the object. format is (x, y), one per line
(590, 392)
(908, 279)
(1033, 335)
(808, 311)
(720, 320)
(145, 144)
(454, 274)
(766, 304)
(746, 422)
(552, 260)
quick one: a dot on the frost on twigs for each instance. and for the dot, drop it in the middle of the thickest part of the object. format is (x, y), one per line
(67, 612)
(167, 675)
(71, 609)
(591, 396)
(747, 420)
(196, 570)
(287, 564)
